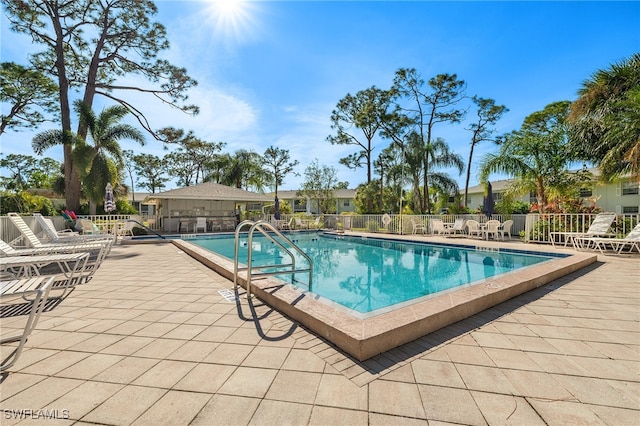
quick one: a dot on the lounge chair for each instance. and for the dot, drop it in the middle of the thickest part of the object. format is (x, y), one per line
(97, 253)
(505, 228)
(67, 268)
(33, 240)
(631, 240)
(418, 225)
(39, 287)
(598, 228)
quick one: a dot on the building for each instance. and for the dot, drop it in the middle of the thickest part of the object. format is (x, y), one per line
(622, 197)
(176, 209)
(344, 198)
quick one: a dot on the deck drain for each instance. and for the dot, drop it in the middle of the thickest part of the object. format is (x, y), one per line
(229, 295)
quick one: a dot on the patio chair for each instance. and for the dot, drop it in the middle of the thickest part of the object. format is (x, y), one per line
(201, 223)
(458, 226)
(40, 288)
(631, 240)
(505, 228)
(33, 240)
(437, 227)
(418, 225)
(299, 224)
(598, 228)
(473, 228)
(317, 223)
(124, 229)
(491, 229)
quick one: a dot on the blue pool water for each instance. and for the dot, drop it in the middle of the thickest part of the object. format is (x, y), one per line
(366, 274)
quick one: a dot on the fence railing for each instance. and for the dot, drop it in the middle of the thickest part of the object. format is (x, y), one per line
(532, 228)
(539, 226)
(10, 233)
(402, 224)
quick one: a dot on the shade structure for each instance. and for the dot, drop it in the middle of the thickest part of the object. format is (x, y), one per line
(308, 206)
(276, 208)
(109, 204)
(488, 204)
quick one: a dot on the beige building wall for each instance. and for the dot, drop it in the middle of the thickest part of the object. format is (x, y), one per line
(619, 197)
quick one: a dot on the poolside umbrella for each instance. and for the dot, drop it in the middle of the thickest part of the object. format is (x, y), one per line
(308, 206)
(109, 204)
(487, 203)
(276, 208)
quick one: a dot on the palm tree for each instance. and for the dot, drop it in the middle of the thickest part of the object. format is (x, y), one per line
(605, 120)
(245, 171)
(536, 154)
(98, 163)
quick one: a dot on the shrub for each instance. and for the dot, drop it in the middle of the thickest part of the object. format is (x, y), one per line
(372, 226)
(26, 203)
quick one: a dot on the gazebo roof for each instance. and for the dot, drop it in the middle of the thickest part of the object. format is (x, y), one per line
(211, 191)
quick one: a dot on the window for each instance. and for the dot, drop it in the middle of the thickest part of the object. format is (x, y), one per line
(452, 199)
(532, 197)
(586, 192)
(345, 203)
(630, 188)
(630, 210)
(497, 196)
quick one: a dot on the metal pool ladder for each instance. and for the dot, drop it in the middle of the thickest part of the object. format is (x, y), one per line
(263, 227)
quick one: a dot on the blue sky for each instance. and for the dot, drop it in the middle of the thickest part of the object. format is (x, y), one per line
(270, 73)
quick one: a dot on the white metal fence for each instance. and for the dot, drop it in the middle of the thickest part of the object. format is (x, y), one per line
(538, 226)
(531, 228)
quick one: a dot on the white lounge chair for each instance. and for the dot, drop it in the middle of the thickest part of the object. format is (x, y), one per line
(97, 252)
(598, 228)
(631, 240)
(67, 268)
(39, 287)
(33, 240)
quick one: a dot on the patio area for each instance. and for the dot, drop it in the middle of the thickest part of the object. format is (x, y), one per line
(150, 340)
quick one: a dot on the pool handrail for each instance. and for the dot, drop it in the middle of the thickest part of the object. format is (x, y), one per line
(259, 226)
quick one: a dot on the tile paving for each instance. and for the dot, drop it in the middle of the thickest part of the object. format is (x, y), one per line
(150, 341)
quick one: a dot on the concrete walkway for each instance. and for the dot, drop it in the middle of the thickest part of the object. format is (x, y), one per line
(151, 341)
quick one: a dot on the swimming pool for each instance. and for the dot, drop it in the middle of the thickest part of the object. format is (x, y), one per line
(366, 335)
(369, 274)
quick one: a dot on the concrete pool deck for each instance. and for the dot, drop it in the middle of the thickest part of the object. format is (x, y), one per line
(151, 341)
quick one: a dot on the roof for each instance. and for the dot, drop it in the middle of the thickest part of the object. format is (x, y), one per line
(210, 191)
(337, 193)
(501, 185)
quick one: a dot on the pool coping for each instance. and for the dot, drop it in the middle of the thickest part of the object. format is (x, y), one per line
(365, 338)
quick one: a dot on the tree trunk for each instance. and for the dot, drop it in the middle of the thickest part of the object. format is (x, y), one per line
(71, 178)
(466, 183)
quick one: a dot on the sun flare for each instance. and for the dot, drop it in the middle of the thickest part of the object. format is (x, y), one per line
(232, 19)
(229, 8)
